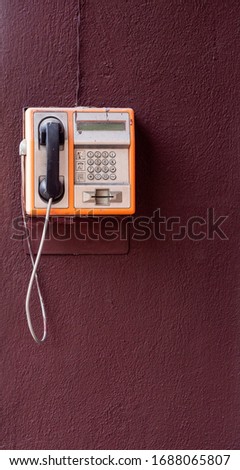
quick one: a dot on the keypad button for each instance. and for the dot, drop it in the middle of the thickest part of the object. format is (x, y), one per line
(112, 161)
(97, 161)
(90, 154)
(104, 154)
(90, 169)
(97, 176)
(112, 154)
(90, 161)
(112, 177)
(105, 176)
(105, 169)
(90, 177)
(80, 177)
(97, 154)
(81, 155)
(105, 161)
(97, 169)
(112, 169)
(80, 166)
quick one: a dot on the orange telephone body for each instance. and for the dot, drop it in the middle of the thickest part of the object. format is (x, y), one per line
(87, 153)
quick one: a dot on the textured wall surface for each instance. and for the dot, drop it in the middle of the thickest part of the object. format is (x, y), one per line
(143, 349)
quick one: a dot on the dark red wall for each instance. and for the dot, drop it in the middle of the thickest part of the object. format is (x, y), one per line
(143, 349)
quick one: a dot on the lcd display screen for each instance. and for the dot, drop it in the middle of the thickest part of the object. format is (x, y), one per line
(101, 126)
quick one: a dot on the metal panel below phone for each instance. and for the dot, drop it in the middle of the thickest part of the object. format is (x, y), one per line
(79, 236)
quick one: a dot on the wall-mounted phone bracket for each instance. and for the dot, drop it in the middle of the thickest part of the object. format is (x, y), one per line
(81, 236)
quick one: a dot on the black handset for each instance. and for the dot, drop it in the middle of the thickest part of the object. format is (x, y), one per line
(51, 135)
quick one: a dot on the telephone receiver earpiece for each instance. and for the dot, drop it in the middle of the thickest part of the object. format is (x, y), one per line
(51, 135)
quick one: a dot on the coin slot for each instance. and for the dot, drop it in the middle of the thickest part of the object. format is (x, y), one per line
(102, 197)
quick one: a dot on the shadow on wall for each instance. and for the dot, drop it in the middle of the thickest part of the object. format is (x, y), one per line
(151, 175)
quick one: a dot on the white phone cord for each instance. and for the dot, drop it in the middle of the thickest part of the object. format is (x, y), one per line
(35, 265)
